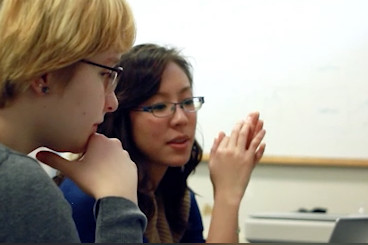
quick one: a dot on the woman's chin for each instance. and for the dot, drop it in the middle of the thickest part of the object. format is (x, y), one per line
(76, 149)
(178, 161)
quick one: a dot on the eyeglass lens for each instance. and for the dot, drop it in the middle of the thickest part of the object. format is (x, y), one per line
(188, 105)
(111, 81)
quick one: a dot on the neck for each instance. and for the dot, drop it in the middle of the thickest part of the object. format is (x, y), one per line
(156, 173)
(15, 126)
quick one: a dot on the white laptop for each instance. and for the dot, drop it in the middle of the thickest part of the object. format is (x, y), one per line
(350, 229)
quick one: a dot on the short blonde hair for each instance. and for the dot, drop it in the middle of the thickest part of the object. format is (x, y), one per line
(39, 36)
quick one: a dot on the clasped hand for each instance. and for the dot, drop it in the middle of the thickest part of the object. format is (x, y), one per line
(233, 157)
(105, 169)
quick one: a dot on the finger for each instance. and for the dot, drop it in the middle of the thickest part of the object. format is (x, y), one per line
(244, 136)
(224, 143)
(216, 142)
(214, 145)
(259, 126)
(55, 161)
(259, 153)
(221, 136)
(253, 117)
(235, 134)
(256, 141)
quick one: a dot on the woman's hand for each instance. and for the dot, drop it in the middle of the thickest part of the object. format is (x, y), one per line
(233, 158)
(105, 169)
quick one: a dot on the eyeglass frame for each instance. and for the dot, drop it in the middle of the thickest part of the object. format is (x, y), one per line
(173, 108)
(117, 69)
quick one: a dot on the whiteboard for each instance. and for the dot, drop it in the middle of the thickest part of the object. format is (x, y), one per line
(302, 64)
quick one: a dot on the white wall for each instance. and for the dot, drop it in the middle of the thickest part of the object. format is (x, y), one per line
(341, 190)
(301, 63)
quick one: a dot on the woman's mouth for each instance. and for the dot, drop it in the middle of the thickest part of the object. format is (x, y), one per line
(179, 143)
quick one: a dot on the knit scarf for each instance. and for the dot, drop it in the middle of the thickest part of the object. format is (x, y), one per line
(158, 229)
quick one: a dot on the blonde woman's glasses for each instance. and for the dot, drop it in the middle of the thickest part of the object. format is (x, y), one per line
(111, 76)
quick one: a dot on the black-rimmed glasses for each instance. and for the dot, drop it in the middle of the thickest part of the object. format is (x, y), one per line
(166, 109)
(111, 76)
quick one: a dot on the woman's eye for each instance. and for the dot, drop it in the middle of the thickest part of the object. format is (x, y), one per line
(107, 74)
(188, 102)
(159, 107)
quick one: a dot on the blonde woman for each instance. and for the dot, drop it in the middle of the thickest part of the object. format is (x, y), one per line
(57, 78)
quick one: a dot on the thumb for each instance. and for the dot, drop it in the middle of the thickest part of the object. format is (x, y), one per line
(55, 161)
(216, 143)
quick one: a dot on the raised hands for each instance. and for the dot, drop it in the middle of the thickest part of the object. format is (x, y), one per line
(233, 157)
(231, 163)
(104, 170)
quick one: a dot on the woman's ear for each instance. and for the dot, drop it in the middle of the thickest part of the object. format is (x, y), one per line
(40, 85)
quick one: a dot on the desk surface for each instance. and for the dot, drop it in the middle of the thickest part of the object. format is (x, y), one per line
(297, 216)
(290, 227)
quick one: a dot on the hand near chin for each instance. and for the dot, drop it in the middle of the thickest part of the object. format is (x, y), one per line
(105, 169)
(233, 158)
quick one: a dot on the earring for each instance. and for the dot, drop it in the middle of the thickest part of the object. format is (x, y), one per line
(45, 89)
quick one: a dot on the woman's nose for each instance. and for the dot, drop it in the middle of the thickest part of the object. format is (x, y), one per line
(111, 102)
(179, 114)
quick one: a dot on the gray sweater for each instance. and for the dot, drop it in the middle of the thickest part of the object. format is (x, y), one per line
(33, 209)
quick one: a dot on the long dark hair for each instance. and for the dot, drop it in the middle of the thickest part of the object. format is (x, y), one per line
(143, 67)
